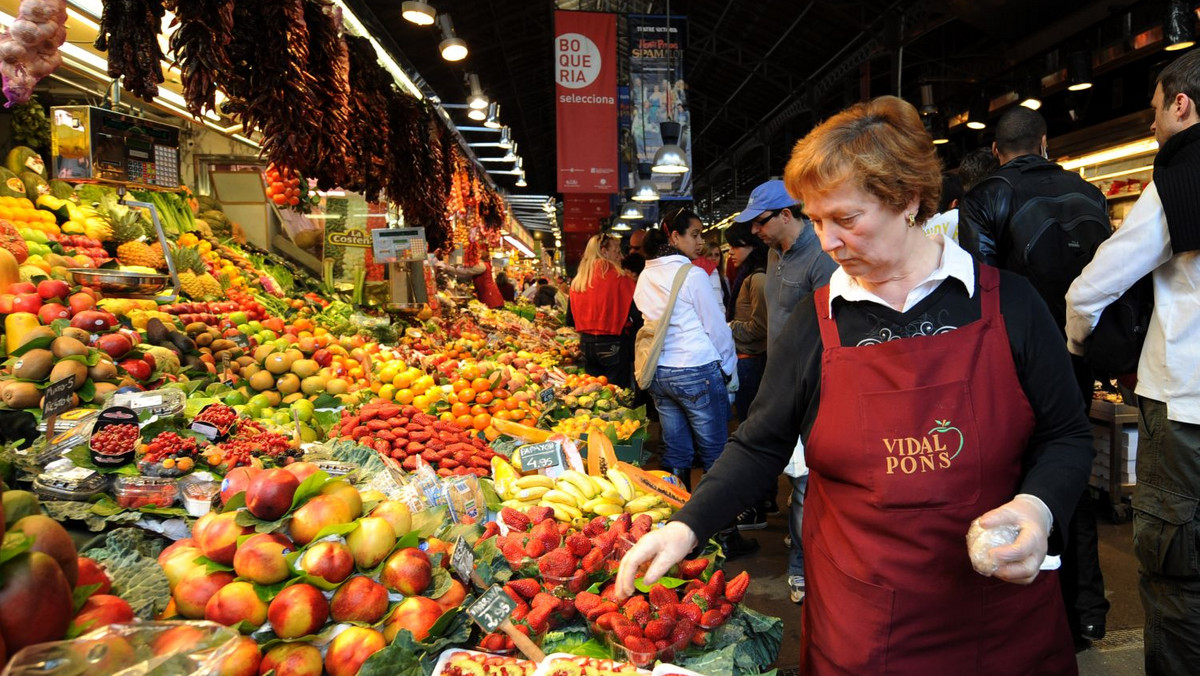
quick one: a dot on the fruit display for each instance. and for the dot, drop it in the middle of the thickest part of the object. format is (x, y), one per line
(406, 434)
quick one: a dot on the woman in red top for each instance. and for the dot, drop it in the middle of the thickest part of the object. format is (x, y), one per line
(601, 296)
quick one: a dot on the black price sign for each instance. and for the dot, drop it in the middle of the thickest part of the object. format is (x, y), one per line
(462, 559)
(240, 340)
(58, 398)
(492, 609)
(547, 395)
(541, 456)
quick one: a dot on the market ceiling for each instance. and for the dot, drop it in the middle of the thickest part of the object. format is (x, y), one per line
(760, 73)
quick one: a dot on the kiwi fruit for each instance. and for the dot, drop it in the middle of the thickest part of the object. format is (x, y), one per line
(68, 368)
(78, 334)
(34, 365)
(204, 339)
(245, 360)
(66, 346)
(196, 328)
(39, 332)
(22, 395)
(222, 344)
(103, 370)
(103, 392)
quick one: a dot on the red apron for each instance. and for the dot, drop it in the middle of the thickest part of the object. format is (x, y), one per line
(915, 438)
(485, 287)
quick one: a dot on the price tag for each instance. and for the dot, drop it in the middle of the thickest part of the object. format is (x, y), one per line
(59, 398)
(240, 340)
(545, 455)
(547, 395)
(462, 559)
(207, 429)
(492, 609)
(226, 376)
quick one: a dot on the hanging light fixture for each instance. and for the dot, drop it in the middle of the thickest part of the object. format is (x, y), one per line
(928, 107)
(936, 125)
(1179, 30)
(622, 226)
(477, 114)
(670, 158)
(453, 48)
(492, 120)
(521, 181)
(1079, 71)
(1029, 92)
(631, 212)
(420, 13)
(645, 190)
(505, 138)
(476, 100)
(978, 113)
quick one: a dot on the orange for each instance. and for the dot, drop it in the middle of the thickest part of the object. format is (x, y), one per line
(483, 397)
(603, 380)
(469, 372)
(477, 409)
(404, 396)
(460, 385)
(460, 409)
(482, 421)
(512, 404)
(446, 417)
(466, 394)
(464, 421)
(481, 384)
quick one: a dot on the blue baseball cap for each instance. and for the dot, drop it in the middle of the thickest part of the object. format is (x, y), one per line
(768, 196)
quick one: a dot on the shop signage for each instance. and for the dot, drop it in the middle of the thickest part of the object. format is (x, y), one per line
(58, 398)
(492, 609)
(353, 238)
(658, 92)
(462, 559)
(546, 455)
(585, 94)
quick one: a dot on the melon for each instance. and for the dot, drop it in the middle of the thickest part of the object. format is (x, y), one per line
(61, 189)
(22, 158)
(11, 184)
(35, 185)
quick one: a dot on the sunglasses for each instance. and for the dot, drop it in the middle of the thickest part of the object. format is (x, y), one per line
(765, 218)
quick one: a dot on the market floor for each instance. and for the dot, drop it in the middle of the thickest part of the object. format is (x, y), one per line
(1120, 653)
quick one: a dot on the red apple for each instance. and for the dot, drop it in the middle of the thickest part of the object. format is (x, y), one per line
(51, 311)
(80, 302)
(95, 321)
(6, 303)
(136, 368)
(18, 288)
(27, 302)
(116, 345)
(53, 288)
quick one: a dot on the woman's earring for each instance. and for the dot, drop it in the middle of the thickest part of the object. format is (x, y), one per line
(912, 220)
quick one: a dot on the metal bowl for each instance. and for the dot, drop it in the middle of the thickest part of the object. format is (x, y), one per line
(120, 281)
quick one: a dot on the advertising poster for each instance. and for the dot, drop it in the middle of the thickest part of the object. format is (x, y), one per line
(585, 94)
(658, 93)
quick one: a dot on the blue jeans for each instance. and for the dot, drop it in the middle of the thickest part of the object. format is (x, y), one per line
(750, 373)
(693, 409)
(795, 521)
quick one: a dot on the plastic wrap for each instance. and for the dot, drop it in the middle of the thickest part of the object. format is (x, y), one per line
(144, 649)
(981, 541)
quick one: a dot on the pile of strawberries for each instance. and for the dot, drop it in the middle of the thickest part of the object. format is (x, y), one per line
(406, 433)
(660, 624)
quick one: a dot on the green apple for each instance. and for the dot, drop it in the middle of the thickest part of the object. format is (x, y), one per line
(238, 318)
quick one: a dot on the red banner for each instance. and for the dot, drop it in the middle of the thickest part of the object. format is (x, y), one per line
(585, 92)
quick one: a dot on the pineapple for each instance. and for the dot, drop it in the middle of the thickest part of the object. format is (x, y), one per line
(212, 287)
(127, 232)
(190, 267)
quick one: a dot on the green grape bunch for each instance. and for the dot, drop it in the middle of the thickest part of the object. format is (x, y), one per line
(30, 125)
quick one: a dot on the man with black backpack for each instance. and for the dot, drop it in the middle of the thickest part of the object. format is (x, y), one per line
(1034, 218)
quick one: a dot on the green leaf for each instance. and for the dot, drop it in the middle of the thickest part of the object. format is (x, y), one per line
(40, 343)
(452, 628)
(14, 543)
(439, 584)
(175, 424)
(594, 648)
(401, 658)
(328, 401)
(82, 594)
(266, 592)
(339, 529)
(245, 519)
(668, 582)
(163, 511)
(71, 510)
(235, 503)
(428, 522)
(212, 566)
(82, 457)
(135, 574)
(566, 638)
(308, 488)
(490, 497)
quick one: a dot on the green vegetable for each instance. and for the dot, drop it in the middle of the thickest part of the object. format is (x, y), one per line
(129, 559)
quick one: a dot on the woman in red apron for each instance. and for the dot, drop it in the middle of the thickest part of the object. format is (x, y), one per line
(930, 392)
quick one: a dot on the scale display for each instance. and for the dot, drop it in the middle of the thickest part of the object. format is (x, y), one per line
(99, 144)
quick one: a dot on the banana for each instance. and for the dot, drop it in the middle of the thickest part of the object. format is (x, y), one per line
(606, 509)
(591, 505)
(534, 493)
(519, 505)
(560, 496)
(535, 481)
(659, 513)
(570, 489)
(612, 493)
(562, 512)
(622, 483)
(602, 483)
(583, 482)
(642, 504)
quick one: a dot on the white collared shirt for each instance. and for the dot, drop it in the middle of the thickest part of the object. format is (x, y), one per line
(954, 262)
(1169, 369)
(697, 333)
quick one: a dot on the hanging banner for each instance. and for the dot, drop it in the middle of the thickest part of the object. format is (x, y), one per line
(658, 93)
(585, 74)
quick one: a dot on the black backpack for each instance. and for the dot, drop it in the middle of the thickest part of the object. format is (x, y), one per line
(1057, 221)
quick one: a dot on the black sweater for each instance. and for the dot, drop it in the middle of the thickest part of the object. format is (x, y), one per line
(1059, 455)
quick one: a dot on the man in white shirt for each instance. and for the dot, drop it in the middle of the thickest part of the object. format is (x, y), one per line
(1161, 237)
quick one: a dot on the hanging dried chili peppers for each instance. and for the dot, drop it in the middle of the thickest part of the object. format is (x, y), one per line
(201, 45)
(129, 33)
(329, 65)
(369, 130)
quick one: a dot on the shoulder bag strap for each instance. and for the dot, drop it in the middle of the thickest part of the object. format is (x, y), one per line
(660, 334)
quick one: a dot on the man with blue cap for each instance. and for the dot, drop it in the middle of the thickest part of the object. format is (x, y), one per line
(796, 266)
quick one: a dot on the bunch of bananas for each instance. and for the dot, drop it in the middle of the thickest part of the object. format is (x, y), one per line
(576, 497)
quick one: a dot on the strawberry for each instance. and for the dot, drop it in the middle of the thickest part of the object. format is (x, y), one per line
(593, 562)
(539, 514)
(602, 609)
(534, 548)
(641, 651)
(586, 601)
(716, 585)
(547, 532)
(513, 552)
(658, 630)
(661, 596)
(735, 589)
(637, 608)
(578, 583)
(609, 593)
(526, 588)
(596, 526)
(682, 631)
(642, 523)
(606, 541)
(512, 593)
(538, 619)
(607, 621)
(690, 569)
(520, 611)
(515, 520)
(669, 612)
(700, 638)
(493, 642)
(626, 632)
(690, 611)
(558, 563)
(700, 598)
(579, 545)
(621, 524)
(544, 599)
(712, 619)
(489, 530)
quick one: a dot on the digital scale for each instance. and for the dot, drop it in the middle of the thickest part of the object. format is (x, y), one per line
(404, 250)
(90, 143)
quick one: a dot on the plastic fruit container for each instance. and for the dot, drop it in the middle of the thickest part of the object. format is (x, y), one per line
(62, 480)
(134, 492)
(162, 403)
(197, 491)
(642, 658)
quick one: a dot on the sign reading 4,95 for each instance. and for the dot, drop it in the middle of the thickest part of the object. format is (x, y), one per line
(462, 559)
(492, 609)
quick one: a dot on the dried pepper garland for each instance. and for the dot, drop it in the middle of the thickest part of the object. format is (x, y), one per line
(201, 45)
(280, 97)
(370, 88)
(329, 65)
(129, 33)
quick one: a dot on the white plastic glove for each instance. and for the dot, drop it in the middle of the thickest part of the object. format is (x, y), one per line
(1020, 561)
(660, 548)
(731, 385)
